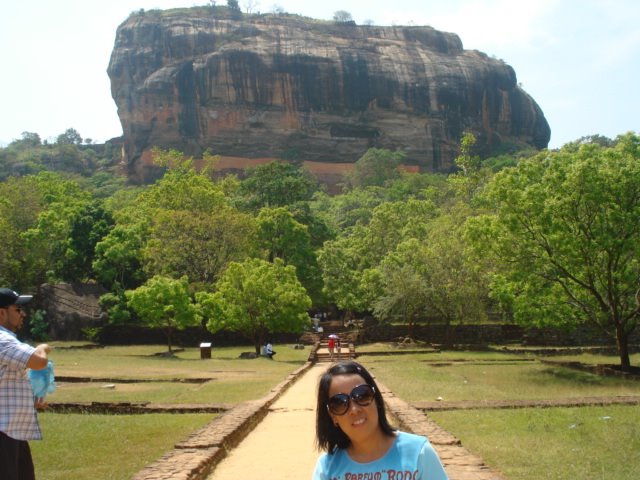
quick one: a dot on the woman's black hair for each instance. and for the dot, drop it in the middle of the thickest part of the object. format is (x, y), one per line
(328, 435)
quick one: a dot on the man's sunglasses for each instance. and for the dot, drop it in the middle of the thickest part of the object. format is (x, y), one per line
(363, 395)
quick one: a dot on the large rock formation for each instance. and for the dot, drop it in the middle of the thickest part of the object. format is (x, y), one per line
(299, 89)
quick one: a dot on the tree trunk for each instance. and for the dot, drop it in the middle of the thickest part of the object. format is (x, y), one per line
(622, 341)
(169, 329)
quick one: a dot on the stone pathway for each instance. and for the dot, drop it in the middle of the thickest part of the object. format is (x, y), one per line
(282, 445)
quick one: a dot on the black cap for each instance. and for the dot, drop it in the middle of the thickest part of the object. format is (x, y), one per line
(10, 297)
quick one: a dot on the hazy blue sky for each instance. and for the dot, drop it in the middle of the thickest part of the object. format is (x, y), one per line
(579, 59)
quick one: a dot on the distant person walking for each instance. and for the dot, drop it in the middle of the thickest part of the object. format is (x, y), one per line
(18, 416)
(331, 345)
(338, 347)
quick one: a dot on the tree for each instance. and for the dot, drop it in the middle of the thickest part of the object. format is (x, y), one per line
(88, 227)
(69, 137)
(46, 240)
(343, 262)
(29, 140)
(182, 188)
(251, 5)
(197, 244)
(256, 298)
(118, 257)
(394, 222)
(376, 167)
(342, 16)
(275, 184)
(164, 302)
(234, 8)
(566, 230)
(399, 289)
(431, 275)
(279, 235)
(192, 230)
(353, 207)
(469, 180)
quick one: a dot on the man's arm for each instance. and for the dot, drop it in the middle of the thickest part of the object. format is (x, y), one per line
(39, 358)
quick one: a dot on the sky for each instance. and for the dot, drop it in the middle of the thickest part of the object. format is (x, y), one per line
(578, 59)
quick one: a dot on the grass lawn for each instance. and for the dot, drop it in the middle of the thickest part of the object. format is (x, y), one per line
(114, 447)
(456, 376)
(232, 380)
(552, 443)
(532, 443)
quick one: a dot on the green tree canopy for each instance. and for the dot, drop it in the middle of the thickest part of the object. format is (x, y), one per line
(40, 210)
(256, 298)
(118, 257)
(566, 230)
(275, 184)
(343, 262)
(279, 235)
(89, 226)
(376, 167)
(164, 302)
(197, 244)
(69, 137)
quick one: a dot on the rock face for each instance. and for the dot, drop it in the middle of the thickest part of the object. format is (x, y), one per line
(269, 86)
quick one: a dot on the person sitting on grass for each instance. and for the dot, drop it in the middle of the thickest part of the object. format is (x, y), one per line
(269, 351)
(352, 427)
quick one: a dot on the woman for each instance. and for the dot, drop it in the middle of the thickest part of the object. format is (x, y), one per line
(351, 425)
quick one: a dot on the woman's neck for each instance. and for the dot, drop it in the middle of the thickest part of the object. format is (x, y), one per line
(371, 448)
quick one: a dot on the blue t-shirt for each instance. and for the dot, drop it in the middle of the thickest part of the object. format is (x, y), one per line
(411, 457)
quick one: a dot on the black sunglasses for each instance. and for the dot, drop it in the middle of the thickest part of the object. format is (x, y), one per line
(363, 395)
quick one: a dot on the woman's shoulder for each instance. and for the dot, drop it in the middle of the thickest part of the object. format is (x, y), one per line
(406, 438)
(327, 460)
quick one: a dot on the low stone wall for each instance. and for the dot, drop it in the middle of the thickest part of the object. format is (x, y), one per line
(492, 333)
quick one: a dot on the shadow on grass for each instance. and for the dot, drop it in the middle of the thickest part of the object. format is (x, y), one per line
(574, 376)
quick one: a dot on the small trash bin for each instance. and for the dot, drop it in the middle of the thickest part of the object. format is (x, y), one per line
(205, 350)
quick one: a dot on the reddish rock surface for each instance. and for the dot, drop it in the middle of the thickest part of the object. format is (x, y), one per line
(269, 86)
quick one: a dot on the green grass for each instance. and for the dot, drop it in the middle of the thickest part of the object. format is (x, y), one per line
(485, 375)
(525, 444)
(89, 446)
(232, 379)
(114, 447)
(552, 443)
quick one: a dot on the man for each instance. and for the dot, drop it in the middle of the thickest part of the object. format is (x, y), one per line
(18, 416)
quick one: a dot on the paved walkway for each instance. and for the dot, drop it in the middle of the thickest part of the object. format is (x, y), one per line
(282, 445)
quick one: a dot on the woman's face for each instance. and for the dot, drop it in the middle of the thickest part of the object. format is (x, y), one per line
(359, 421)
